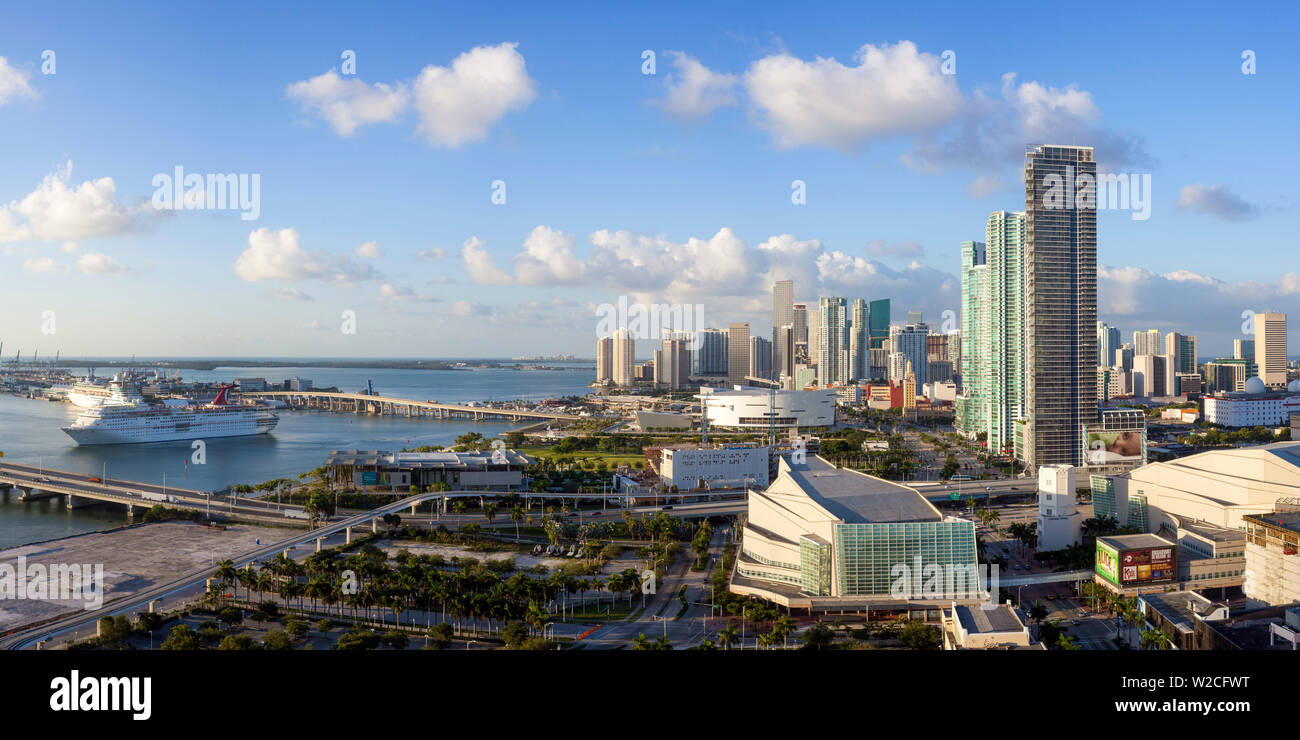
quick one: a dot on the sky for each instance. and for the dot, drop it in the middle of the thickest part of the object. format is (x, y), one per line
(471, 180)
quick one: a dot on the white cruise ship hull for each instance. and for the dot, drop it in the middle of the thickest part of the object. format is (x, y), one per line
(170, 427)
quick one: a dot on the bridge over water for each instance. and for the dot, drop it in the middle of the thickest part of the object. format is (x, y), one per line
(389, 406)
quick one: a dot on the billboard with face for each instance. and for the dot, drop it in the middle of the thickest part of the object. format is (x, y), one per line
(1102, 447)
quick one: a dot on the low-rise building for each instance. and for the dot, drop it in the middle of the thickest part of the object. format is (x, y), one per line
(1273, 554)
(1254, 406)
(495, 470)
(977, 628)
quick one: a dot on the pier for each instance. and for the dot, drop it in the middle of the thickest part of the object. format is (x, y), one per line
(361, 403)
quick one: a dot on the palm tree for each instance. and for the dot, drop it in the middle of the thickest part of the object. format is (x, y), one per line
(517, 515)
(490, 511)
(225, 574)
(728, 635)
(459, 508)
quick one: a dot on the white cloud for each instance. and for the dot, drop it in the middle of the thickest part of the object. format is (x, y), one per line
(97, 263)
(906, 248)
(370, 250)
(464, 308)
(290, 294)
(459, 104)
(481, 265)
(992, 132)
(548, 259)
(276, 255)
(348, 104)
(14, 83)
(890, 91)
(1217, 201)
(43, 264)
(985, 185)
(435, 253)
(59, 210)
(696, 90)
(402, 294)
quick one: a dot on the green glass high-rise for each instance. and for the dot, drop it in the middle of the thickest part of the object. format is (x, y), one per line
(879, 319)
(993, 331)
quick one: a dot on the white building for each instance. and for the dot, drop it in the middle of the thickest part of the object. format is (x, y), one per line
(752, 408)
(1059, 521)
(1255, 406)
(1273, 554)
(716, 467)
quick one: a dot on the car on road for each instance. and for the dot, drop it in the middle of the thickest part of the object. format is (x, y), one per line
(1074, 622)
(46, 479)
(95, 480)
(1083, 612)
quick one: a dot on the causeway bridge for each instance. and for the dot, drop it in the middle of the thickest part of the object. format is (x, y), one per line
(83, 490)
(387, 406)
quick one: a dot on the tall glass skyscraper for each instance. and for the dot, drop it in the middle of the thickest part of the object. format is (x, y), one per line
(832, 340)
(1005, 235)
(1061, 304)
(879, 317)
(972, 405)
(859, 342)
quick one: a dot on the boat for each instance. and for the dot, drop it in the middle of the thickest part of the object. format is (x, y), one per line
(120, 391)
(173, 420)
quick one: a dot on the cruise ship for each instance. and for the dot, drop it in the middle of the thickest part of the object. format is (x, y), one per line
(170, 421)
(119, 392)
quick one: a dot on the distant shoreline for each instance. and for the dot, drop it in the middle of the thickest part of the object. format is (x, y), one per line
(211, 365)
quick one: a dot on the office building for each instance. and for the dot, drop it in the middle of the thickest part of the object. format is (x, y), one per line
(625, 368)
(1270, 348)
(913, 342)
(1243, 349)
(1273, 554)
(1180, 353)
(1124, 357)
(783, 357)
(397, 471)
(782, 315)
(1255, 405)
(1107, 343)
(1149, 376)
(760, 358)
(737, 353)
(832, 340)
(1147, 342)
(605, 360)
(800, 323)
(971, 407)
(859, 342)
(878, 316)
(1228, 374)
(1061, 303)
(728, 466)
(673, 361)
(713, 354)
(814, 351)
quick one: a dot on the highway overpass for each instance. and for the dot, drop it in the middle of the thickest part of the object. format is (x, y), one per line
(388, 406)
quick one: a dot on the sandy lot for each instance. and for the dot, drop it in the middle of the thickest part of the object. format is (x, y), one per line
(132, 559)
(523, 561)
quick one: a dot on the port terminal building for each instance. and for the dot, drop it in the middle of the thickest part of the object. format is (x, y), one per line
(492, 470)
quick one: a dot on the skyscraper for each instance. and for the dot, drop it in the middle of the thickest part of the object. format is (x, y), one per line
(737, 353)
(879, 318)
(859, 342)
(624, 373)
(1180, 359)
(1147, 342)
(1107, 343)
(783, 352)
(605, 359)
(1061, 304)
(832, 340)
(913, 342)
(993, 327)
(814, 336)
(760, 358)
(782, 314)
(714, 355)
(972, 405)
(1270, 348)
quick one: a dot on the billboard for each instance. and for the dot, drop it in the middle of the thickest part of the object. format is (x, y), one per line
(1101, 447)
(1148, 565)
(1107, 563)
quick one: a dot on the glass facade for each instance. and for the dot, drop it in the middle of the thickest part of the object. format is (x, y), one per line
(1137, 511)
(815, 564)
(1103, 498)
(865, 554)
(879, 319)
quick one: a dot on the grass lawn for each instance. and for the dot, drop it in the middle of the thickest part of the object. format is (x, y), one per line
(610, 458)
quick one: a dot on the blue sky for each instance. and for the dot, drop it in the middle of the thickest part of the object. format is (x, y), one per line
(674, 186)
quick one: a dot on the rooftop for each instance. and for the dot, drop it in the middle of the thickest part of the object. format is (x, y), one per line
(858, 498)
(1135, 541)
(977, 620)
(1181, 608)
(422, 460)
